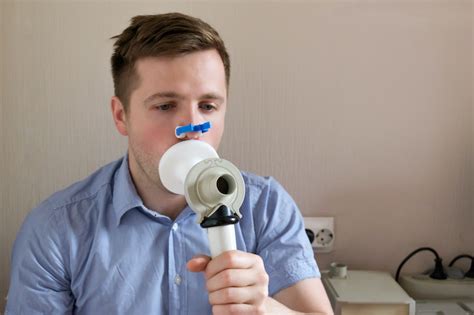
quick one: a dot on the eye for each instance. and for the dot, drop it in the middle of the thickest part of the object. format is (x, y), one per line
(164, 107)
(207, 107)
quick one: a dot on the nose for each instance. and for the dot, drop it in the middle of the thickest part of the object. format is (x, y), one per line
(193, 135)
(193, 117)
(182, 131)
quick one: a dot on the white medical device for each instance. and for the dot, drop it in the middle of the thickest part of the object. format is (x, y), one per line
(213, 188)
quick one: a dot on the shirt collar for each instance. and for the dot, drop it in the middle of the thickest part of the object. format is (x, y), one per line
(125, 196)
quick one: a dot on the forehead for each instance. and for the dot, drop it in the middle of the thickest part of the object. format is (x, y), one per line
(194, 69)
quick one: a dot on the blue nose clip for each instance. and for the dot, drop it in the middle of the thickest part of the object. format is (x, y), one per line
(202, 128)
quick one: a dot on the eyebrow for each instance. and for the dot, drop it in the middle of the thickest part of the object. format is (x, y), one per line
(212, 96)
(162, 95)
(207, 96)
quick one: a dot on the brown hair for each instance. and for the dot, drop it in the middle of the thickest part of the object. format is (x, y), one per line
(157, 35)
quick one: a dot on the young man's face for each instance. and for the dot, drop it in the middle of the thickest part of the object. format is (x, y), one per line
(172, 91)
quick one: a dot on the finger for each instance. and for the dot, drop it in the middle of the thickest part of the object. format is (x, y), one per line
(233, 278)
(198, 263)
(234, 309)
(243, 295)
(233, 259)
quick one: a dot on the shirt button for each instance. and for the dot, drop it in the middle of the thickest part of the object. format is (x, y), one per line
(177, 279)
(175, 226)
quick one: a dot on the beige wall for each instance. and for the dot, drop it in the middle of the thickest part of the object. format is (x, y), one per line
(362, 109)
(470, 228)
(4, 213)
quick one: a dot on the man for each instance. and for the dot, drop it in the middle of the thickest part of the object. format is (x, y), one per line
(119, 243)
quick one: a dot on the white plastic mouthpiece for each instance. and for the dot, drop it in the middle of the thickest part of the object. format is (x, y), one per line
(176, 163)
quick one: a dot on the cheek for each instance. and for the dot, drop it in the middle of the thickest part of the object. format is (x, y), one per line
(216, 136)
(218, 132)
(155, 138)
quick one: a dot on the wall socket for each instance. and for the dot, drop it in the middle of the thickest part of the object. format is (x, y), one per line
(322, 229)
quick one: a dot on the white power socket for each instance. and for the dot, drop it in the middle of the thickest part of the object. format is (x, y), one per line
(422, 287)
(324, 234)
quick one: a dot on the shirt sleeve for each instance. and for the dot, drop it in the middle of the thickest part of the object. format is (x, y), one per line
(39, 281)
(281, 239)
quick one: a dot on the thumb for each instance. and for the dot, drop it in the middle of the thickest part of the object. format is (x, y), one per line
(198, 263)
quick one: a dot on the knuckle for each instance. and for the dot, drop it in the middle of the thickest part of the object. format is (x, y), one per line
(231, 257)
(227, 277)
(222, 297)
(259, 260)
(260, 309)
(260, 264)
(220, 310)
(212, 299)
(228, 294)
(260, 296)
(216, 310)
(232, 309)
(263, 278)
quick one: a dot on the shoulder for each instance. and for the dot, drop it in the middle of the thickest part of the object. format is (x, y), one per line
(256, 183)
(47, 228)
(266, 202)
(85, 188)
(83, 191)
(264, 189)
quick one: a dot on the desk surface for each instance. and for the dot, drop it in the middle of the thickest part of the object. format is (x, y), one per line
(367, 287)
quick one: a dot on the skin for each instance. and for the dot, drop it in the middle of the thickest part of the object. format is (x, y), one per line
(188, 89)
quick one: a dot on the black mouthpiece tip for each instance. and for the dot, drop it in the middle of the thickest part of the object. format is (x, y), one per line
(222, 216)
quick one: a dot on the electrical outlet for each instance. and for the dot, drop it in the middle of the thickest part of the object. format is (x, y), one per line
(323, 232)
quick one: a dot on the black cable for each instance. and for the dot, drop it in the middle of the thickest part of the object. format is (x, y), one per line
(470, 272)
(438, 273)
(459, 257)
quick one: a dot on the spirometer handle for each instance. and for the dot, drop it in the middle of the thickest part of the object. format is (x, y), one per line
(221, 239)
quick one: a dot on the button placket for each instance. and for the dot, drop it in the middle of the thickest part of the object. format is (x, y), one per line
(177, 279)
(176, 269)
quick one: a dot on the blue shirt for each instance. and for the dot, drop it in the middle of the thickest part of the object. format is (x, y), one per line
(94, 248)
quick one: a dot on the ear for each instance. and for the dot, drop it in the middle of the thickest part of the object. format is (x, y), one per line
(119, 115)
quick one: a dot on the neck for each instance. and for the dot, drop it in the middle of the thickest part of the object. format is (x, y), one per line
(154, 196)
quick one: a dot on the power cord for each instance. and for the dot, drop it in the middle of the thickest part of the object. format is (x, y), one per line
(310, 235)
(438, 272)
(470, 272)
